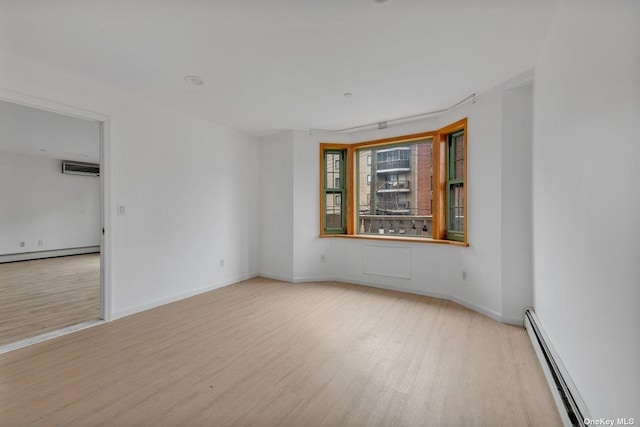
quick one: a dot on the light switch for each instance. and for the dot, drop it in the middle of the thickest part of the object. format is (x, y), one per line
(121, 210)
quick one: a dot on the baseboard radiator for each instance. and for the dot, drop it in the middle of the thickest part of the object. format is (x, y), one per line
(570, 405)
(28, 256)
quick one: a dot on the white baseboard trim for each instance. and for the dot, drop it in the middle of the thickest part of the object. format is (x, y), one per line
(307, 279)
(275, 277)
(515, 321)
(163, 301)
(477, 308)
(27, 256)
(393, 288)
(471, 306)
(50, 335)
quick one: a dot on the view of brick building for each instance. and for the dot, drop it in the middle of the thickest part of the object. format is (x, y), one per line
(395, 188)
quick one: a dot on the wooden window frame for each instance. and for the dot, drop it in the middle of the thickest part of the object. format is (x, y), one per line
(343, 190)
(452, 181)
(439, 183)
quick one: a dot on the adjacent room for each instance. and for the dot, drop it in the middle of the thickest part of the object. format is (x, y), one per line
(50, 222)
(374, 212)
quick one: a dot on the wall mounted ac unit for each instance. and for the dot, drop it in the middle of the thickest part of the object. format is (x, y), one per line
(78, 168)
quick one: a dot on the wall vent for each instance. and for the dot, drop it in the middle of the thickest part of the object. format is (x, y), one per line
(79, 168)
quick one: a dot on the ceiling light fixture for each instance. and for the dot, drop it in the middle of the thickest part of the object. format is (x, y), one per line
(381, 2)
(194, 80)
(348, 95)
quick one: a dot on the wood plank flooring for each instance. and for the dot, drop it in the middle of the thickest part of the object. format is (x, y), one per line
(269, 353)
(45, 295)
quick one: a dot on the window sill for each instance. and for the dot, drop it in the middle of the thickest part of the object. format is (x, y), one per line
(387, 238)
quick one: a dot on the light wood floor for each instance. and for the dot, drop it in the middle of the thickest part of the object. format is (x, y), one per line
(266, 353)
(45, 295)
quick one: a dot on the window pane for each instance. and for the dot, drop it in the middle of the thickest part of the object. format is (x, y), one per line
(456, 208)
(333, 211)
(332, 170)
(395, 191)
(458, 156)
(333, 187)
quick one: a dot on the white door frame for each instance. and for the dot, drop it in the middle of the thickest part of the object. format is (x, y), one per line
(104, 122)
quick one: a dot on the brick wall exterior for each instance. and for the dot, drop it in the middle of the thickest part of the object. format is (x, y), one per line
(425, 174)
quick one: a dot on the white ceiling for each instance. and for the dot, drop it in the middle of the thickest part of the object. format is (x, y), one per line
(285, 64)
(33, 132)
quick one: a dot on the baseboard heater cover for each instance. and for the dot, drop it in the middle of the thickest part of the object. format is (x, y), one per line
(572, 409)
(28, 256)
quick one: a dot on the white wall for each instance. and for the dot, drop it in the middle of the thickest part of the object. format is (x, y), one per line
(308, 247)
(4, 48)
(482, 259)
(26, 130)
(41, 203)
(5, 45)
(517, 137)
(189, 187)
(290, 248)
(586, 212)
(276, 206)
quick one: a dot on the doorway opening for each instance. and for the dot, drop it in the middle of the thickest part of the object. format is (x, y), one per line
(53, 257)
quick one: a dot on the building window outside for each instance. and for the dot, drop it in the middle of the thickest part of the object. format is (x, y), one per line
(396, 197)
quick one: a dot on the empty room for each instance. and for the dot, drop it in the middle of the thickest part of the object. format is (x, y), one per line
(337, 213)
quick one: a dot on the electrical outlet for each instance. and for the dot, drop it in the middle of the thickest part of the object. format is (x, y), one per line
(39, 242)
(464, 275)
(323, 258)
(122, 210)
(22, 244)
(221, 262)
